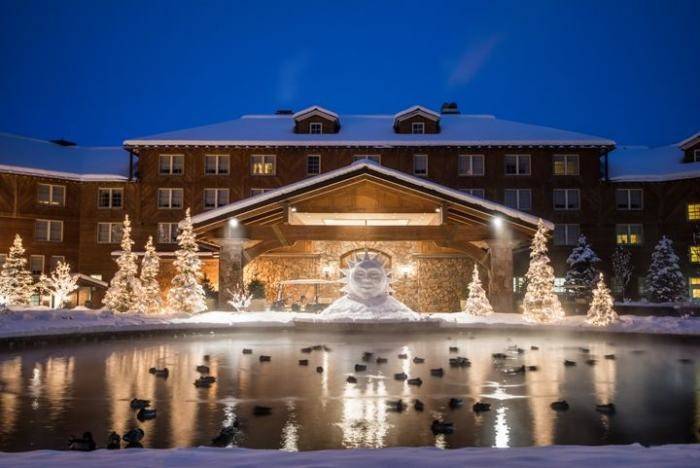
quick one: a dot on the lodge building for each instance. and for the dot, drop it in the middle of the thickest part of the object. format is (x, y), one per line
(293, 196)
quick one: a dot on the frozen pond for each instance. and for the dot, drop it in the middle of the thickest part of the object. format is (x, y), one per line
(49, 393)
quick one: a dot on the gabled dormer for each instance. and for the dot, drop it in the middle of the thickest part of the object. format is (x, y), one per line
(691, 148)
(316, 120)
(417, 120)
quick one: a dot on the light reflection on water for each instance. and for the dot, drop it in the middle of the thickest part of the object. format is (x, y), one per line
(52, 392)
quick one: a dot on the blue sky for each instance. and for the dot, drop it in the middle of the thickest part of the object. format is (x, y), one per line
(99, 72)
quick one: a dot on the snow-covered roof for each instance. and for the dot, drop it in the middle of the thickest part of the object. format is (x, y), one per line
(371, 130)
(690, 141)
(416, 110)
(643, 164)
(315, 110)
(30, 156)
(371, 166)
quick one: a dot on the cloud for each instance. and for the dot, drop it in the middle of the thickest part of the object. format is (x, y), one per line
(471, 61)
(290, 75)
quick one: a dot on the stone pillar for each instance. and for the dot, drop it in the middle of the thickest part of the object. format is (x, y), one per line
(231, 263)
(501, 276)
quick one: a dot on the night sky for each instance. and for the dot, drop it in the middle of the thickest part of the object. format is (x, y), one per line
(98, 72)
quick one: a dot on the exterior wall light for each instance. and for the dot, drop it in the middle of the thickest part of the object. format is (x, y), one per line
(233, 223)
(327, 270)
(405, 270)
(497, 222)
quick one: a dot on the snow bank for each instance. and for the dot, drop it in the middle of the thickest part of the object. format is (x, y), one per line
(670, 456)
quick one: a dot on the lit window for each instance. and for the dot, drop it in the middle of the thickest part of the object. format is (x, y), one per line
(48, 230)
(170, 198)
(215, 197)
(171, 164)
(517, 164)
(566, 234)
(372, 157)
(420, 164)
(694, 253)
(167, 233)
(628, 199)
(628, 234)
(216, 164)
(313, 164)
(471, 165)
(36, 264)
(559, 285)
(567, 199)
(694, 284)
(474, 192)
(110, 197)
(263, 164)
(518, 284)
(48, 194)
(316, 128)
(418, 127)
(109, 233)
(258, 191)
(693, 211)
(566, 164)
(520, 199)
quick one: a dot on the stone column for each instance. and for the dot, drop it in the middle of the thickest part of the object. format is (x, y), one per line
(501, 276)
(231, 263)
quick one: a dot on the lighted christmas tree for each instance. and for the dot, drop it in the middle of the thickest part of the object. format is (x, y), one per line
(477, 302)
(540, 303)
(125, 285)
(665, 281)
(601, 312)
(16, 282)
(60, 284)
(148, 299)
(186, 294)
(582, 275)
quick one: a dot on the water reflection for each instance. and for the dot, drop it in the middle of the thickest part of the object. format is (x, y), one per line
(364, 418)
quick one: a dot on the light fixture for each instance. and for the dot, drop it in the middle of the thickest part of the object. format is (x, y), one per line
(497, 222)
(405, 270)
(327, 270)
(437, 210)
(294, 209)
(233, 223)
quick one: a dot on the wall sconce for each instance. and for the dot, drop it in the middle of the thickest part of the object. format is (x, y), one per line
(405, 270)
(327, 270)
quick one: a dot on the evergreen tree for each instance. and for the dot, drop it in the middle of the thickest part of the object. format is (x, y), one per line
(60, 284)
(540, 303)
(665, 281)
(477, 302)
(124, 287)
(186, 293)
(582, 276)
(148, 300)
(16, 282)
(601, 312)
(622, 268)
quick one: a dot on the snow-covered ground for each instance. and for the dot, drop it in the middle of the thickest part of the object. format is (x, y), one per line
(44, 322)
(670, 456)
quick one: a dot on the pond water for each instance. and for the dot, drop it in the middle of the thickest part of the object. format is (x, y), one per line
(51, 392)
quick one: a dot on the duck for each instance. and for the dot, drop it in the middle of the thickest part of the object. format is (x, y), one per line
(439, 372)
(317, 347)
(591, 362)
(418, 360)
(366, 356)
(261, 410)
(606, 409)
(381, 360)
(163, 373)
(441, 427)
(559, 405)
(206, 358)
(303, 362)
(146, 414)
(610, 356)
(326, 349)
(532, 368)
(247, 351)
(417, 382)
(351, 379)
(306, 350)
(319, 370)
(203, 369)
(205, 381)
(360, 368)
(397, 405)
(84, 444)
(568, 363)
(454, 349)
(478, 407)
(460, 362)
(114, 441)
(133, 436)
(534, 348)
(499, 356)
(585, 350)
(225, 436)
(455, 403)
(138, 404)
(264, 358)
(403, 356)
(418, 405)
(400, 376)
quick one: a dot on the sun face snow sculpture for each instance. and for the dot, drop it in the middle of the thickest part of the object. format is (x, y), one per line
(367, 294)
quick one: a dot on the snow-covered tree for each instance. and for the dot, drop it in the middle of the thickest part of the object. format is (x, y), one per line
(477, 302)
(665, 281)
(582, 275)
(240, 299)
(186, 293)
(16, 282)
(121, 295)
(601, 312)
(622, 268)
(148, 298)
(59, 284)
(540, 303)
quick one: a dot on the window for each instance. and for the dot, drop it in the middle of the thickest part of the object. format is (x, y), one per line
(420, 164)
(109, 233)
(316, 128)
(48, 194)
(517, 164)
(628, 199)
(520, 199)
(167, 233)
(629, 234)
(170, 198)
(694, 283)
(110, 197)
(171, 164)
(372, 157)
(694, 253)
(217, 164)
(263, 164)
(559, 285)
(567, 199)
(418, 127)
(53, 261)
(565, 164)
(518, 284)
(696, 155)
(48, 230)
(313, 164)
(471, 165)
(474, 192)
(566, 234)
(36, 264)
(693, 211)
(215, 197)
(258, 191)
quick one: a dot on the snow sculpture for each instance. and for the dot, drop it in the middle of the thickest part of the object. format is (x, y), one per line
(367, 294)
(477, 302)
(601, 312)
(541, 304)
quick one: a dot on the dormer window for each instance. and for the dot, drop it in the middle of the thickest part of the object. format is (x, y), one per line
(418, 128)
(316, 120)
(417, 120)
(316, 128)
